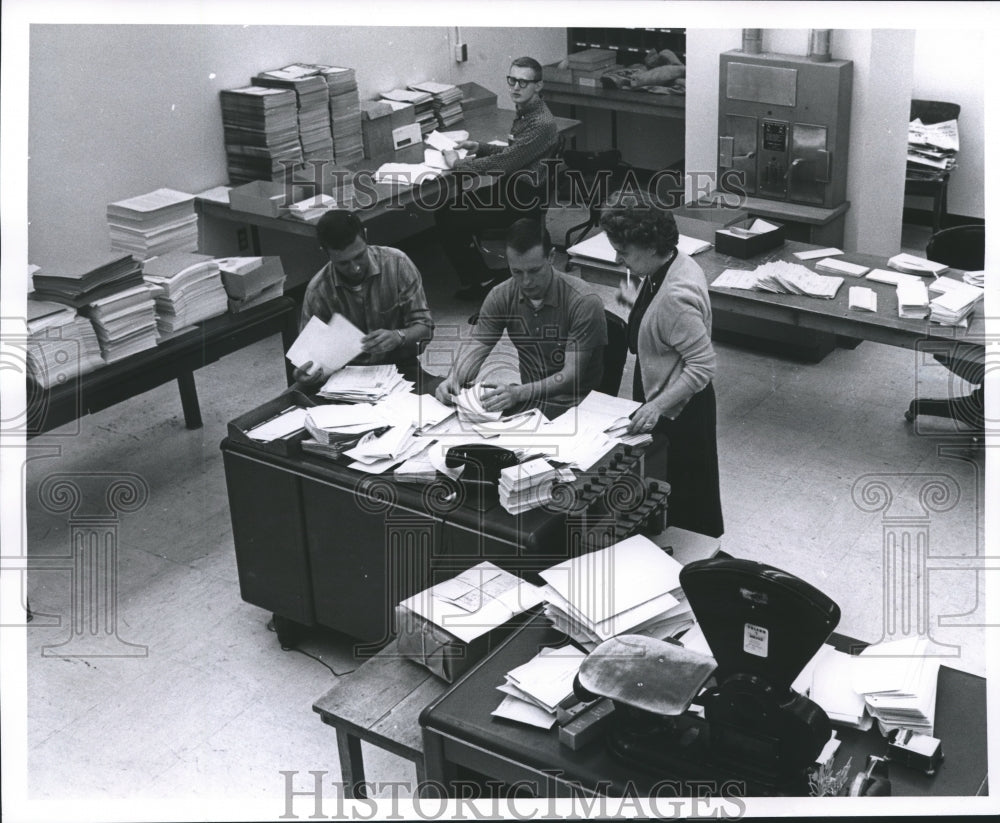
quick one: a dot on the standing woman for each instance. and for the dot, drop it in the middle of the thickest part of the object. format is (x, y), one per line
(670, 332)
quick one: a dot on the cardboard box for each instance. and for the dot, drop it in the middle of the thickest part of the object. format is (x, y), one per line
(408, 143)
(439, 650)
(379, 121)
(286, 446)
(555, 74)
(590, 78)
(262, 197)
(240, 286)
(750, 245)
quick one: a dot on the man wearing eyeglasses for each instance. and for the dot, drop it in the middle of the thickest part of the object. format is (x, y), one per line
(379, 290)
(519, 189)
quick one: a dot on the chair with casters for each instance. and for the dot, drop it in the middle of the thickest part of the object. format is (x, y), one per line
(926, 181)
(960, 247)
(595, 175)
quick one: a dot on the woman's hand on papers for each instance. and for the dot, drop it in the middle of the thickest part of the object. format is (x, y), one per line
(644, 418)
(499, 398)
(380, 341)
(309, 375)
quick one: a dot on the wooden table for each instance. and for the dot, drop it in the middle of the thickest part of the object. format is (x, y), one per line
(176, 358)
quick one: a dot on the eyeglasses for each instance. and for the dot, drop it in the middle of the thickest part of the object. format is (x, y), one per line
(519, 82)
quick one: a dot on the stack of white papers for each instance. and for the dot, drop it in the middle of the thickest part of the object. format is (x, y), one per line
(975, 278)
(534, 689)
(406, 174)
(916, 265)
(954, 302)
(330, 345)
(899, 683)
(189, 289)
(125, 322)
(781, 277)
(381, 450)
(325, 422)
(828, 264)
(312, 209)
(913, 299)
(364, 384)
(469, 404)
(289, 421)
(154, 223)
(826, 679)
(737, 279)
(858, 297)
(893, 278)
(632, 586)
(813, 254)
(61, 344)
(526, 486)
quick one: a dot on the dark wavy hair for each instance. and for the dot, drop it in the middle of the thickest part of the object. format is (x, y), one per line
(338, 228)
(635, 218)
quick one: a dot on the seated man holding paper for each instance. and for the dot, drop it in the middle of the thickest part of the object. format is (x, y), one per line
(558, 329)
(378, 290)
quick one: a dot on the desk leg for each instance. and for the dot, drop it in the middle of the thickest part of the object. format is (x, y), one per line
(255, 241)
(288, 334)
(189, 400)
(352, 767)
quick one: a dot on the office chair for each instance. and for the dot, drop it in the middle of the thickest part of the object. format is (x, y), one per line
(600, 174)
(927, 182)
(960, 247)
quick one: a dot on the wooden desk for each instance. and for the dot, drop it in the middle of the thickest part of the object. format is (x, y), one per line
(174, 359)
(391, 212)
(461, 739)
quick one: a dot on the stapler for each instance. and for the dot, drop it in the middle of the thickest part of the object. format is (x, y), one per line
(733, 716)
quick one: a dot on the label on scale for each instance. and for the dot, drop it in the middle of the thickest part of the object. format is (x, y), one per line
(755, 640)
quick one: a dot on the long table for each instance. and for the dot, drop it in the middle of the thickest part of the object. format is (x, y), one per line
(398, 211)
(176, 358)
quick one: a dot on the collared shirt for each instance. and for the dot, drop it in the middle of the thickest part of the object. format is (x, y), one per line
(391, 296)
(533, 135)
(569, 319)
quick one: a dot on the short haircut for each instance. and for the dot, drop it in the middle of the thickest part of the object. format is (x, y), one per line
(638, 219)
(528, 63)
(338, 228)
(526, 234)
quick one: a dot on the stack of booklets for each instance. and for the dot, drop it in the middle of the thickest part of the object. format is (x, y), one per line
(913, 299)
(527, 485)
(630, 587)
(954, 301)
(81, 282)
(898, 680)
(156, 223)
(188, 289)
(312, 98)
(469, 405)
(345, 113)
(423, 106)
(364, 384)
(534, 689)
(125, 322)
(931, 148)
(62, 345)
(447, 102)
(261, 131)
(251, 281)
(912, 264)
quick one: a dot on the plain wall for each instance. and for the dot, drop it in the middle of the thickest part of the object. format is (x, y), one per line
(119, 110)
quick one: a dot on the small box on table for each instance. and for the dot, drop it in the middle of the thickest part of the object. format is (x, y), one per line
(750, 238)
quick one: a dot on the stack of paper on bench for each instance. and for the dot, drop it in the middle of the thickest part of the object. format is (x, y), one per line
(954, 301)
(364, 384)
(83, 280)
(526, 486)
(469, 404)
(125, 322)
(251, 281)
(189, 289)
(899, 682)
(534, 689)
(916, 265)
(345, 112)
(913, 299)
(447, 102)
(155, 223)
(632, 586)
(782, 277)
(61, 344)
(330, 345)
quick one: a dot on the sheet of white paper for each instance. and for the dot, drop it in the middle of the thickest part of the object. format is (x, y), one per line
(330, 345)
(861, 298)
(817, 253)
(760, 226)
(286, 423)
(518, 710)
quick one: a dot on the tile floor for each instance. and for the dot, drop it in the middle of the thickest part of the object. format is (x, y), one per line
(214, 709)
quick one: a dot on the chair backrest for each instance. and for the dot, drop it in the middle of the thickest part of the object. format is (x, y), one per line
(615, 354)
(960, 247)
(933, 111)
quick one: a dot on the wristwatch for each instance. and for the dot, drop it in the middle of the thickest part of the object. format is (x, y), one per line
(402, 336)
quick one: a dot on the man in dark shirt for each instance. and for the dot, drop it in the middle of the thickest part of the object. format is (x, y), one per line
(518, 191)
(556, 326)
(379, 290)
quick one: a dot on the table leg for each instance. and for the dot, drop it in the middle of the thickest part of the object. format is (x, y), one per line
(255, 241)
(352, 767)
(289, 332)
(189, 400)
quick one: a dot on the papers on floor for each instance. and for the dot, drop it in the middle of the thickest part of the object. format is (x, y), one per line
(469, 405)
(954, 301)
(816, 253)
(364, 384)
(152, 224)
(189, 289)
(474, 602)
(61, 344)
(632, 586)
(330, 345)
(534, 689)
(899, 683)
(828, 264)
(125, 322)
(912, 264)
(913, 299)
(858, 297)
(526, 486)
